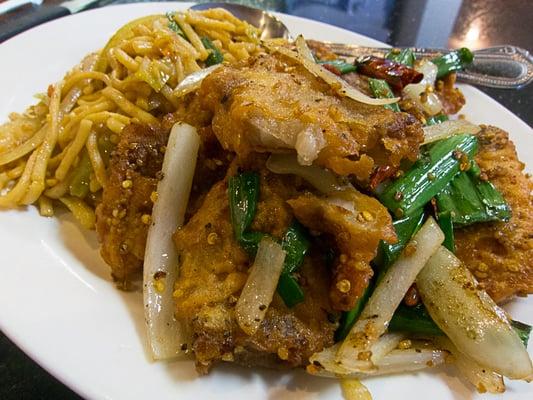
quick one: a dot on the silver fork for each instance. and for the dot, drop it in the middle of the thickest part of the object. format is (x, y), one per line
(502, 67)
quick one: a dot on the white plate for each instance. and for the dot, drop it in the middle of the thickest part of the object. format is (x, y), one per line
(56, 299)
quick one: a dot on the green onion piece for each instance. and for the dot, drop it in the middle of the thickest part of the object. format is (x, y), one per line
(348, 318)
(436, 119)
(215, 56)
(523, 331)
(173, 25)
(453, 61)
(243, 192)
(416, 320)
(79, 184)
(405, 229)
(296, 244)
(445, 222)
(341, 65)
(430, 174)
(403, 56)
(471, 200)
(381, 90)
(289, 290)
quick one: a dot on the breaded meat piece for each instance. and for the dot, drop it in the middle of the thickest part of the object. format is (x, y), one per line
(122, 218)
(213, 271)
(271, 104)
(357, 225)
(500, 254)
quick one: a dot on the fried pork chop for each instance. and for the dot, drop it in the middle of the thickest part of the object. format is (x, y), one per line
(214, 269)
(123, 216)
(500, 254)
(270, 104)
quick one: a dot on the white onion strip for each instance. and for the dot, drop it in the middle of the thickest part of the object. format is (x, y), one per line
(341, 87)
(193, 81)
(165, 334)
(470, 318)
(482, 378)
(322, 179)
(448, 128)
(260, 286)
(303, 49)
(375, 317)
(395, 362)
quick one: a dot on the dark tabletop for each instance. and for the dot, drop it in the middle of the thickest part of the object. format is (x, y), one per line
(431, 23)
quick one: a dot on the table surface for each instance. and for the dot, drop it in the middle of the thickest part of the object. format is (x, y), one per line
(430, 23)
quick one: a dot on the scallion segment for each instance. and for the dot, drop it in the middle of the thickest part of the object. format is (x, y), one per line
(436, 119)
(445, 221)
(381, 90)
(341, 65)
(453, 61)
(348, 318)
(437, 166)
(403, 56)
(470, 199)
(215, 55)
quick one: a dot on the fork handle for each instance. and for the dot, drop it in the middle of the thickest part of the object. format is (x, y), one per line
(502, 67)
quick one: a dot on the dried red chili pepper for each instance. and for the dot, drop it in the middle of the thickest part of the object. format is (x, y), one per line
(332, 68)
(395, 74)
(381, 174)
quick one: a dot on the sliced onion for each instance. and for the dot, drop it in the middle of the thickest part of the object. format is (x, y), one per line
(260, 286)
(193, 81)
(482, 378)
(413, 91)
(395, 362)
(389, 292)
(470, 318)
(166, 335)
(322, 179)
(303, 49)
(448, 128)
(343, 88)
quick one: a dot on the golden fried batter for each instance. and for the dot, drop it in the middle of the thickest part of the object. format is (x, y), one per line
(501, 254)
(271, 104)
(357, 234)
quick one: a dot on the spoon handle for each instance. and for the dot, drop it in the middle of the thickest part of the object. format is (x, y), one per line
(502, 67)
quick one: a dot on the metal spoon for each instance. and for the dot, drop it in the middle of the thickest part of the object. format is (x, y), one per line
(502, 67)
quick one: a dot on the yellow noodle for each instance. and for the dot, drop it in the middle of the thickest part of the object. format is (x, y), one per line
(128, 107)
(67, 133)
(196, 19)
(115, 125)
(25, 148)
(123, 58)
(77, 76)
(191, 35)
(180, 74)
(38, 174)
(11, 199)
(59, 189)
(74, 149)
(96, 159)
(94, 185)
(46, 209)
(81, 211)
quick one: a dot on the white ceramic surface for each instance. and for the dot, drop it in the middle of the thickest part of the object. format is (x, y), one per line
(56, 299)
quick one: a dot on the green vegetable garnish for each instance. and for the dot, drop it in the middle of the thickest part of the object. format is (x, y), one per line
(403, 56)
(381, 90)
(215, 55)
(437, 166)
(453, 61)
